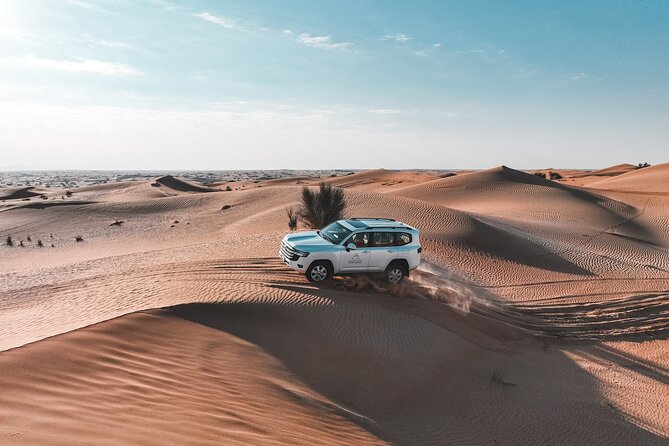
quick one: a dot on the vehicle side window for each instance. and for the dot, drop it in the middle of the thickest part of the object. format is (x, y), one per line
(384, 239)
(402, 238)
(361, 239)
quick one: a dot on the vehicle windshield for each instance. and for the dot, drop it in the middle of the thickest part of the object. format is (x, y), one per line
(334, 233)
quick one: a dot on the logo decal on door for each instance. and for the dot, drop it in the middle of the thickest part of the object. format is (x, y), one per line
(355, 259)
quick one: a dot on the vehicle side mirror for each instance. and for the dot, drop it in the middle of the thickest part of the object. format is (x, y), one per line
(351, 247)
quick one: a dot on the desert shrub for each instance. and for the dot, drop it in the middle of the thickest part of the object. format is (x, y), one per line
(117, 223)
(323, 206)
(229, 189)
(39, 243)
(21, 244)
(292, 219)
(9, 241)
(642, 165)
(68, 193)
(79, 239)
(29, 239)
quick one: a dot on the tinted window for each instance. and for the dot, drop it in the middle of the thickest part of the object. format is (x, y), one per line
(403, 238)
(361, 239)
(384, 239)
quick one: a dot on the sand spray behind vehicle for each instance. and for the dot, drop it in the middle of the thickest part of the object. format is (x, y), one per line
(433, 283)
(645, 315)
(442, 285)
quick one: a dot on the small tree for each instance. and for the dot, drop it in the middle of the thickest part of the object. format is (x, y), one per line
(10, 242)
(323, 206)
(292, 219)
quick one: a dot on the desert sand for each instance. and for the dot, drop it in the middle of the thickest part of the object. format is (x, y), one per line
(540, 313)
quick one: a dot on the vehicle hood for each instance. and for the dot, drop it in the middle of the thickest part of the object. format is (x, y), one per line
(301, 240)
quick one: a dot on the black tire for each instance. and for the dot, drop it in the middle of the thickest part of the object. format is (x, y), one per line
(319, 272)
(395, 273)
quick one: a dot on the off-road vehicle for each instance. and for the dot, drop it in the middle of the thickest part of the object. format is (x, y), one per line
(380, 246)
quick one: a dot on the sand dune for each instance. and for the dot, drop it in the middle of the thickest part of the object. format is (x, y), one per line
(17, 193)
(181, 185)
(614, 170)
(505, 191)
(539, 316)
(653, 179)
(382, 180)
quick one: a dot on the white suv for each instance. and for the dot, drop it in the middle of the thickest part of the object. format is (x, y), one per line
(356, 245)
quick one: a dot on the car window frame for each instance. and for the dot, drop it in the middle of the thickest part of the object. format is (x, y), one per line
(371, 237)
(374, 245)
(397, 238)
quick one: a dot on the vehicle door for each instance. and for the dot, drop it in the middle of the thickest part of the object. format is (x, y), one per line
(352, 260)
(383, 250)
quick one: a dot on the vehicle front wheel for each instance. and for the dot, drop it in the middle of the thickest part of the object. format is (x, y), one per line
(318, 272)
(395, 274)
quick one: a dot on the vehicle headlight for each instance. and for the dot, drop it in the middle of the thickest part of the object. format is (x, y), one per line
(301, 253)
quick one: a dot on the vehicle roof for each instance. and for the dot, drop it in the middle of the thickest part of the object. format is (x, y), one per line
(355, 224)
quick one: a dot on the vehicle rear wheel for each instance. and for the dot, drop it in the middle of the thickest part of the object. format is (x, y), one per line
(318, 272)
(395, 273)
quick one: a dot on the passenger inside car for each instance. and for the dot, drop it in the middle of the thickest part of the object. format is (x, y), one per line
(361, 239)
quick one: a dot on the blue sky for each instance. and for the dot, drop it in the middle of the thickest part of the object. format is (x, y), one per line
(156, 84)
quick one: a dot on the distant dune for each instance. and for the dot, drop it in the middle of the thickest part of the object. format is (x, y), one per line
(152, 313)
(614, 170)
(382, 179)
(17, 193)
(652, 179)
(181, 185)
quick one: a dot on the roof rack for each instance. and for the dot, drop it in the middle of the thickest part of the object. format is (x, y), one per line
(389, 227)
(372, 218)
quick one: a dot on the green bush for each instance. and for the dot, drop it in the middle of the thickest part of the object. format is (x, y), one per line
(321, 207)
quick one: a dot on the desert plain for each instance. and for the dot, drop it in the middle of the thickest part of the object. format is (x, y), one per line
(154, 310)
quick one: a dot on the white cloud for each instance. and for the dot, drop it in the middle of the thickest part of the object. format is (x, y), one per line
(397, 37)
(88, 5)
(221, 21)
(288, 31)
(580, 76)
(436, 45)
(386, 111)
(163, 4)
(421, 53)
(111, 44)
(324, 42)
(81, 66)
